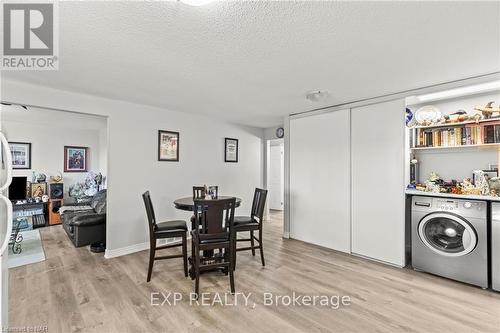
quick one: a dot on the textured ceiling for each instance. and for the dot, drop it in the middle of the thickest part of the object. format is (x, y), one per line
(253, 62)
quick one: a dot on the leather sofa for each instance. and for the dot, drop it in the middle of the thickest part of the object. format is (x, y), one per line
(85, 223)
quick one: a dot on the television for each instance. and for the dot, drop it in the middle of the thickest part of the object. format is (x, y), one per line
(17, 189)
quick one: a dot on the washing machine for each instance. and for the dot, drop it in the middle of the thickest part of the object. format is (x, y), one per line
(449, 238)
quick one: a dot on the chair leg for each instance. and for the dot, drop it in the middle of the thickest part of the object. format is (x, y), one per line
(252, 242)
(197, 272)
(152, 250)
(231, 280)
(233, 252)
(184, 254)
(261, 248)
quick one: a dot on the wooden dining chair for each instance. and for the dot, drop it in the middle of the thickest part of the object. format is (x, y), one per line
(168, 229)
(251, 224)
(199, 192)
(213, 225)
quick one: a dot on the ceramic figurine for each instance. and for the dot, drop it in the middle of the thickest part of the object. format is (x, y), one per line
(481, 181)
(433, 177)
(45, 198)
(488, 110)
(57, 178)
(493, 193)
(476, 117)
(41, 178)
(460, 115)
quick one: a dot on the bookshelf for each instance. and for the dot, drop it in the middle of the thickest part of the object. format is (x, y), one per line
(481, 134)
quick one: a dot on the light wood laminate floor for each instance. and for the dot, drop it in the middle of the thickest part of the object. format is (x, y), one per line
(75, 290)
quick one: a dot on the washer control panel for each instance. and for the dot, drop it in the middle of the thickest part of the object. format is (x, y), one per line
(446, 204)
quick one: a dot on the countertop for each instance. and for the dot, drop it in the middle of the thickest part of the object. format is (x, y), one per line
(451, 195)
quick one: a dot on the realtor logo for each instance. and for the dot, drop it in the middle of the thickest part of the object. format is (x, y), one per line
(29, 33)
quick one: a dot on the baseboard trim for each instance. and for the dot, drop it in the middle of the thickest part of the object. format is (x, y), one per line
(123, 251)
(378, 260)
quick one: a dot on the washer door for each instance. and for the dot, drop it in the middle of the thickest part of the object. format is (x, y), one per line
(447, 234)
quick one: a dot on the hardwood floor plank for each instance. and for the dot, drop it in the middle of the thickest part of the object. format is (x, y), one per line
(75, 290)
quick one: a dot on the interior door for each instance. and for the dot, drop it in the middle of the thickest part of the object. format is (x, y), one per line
(276, 177)
(378, 181)
(319, 180)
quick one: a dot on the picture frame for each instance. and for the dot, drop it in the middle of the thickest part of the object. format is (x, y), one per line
(75, 159)
(489, 173)
(21, 155)
(168, 146)
(37, 190)
(231, 150)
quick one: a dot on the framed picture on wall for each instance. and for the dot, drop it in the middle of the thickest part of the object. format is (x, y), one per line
(231, 150)
(168, 146)
(75, 159)
(21, 155)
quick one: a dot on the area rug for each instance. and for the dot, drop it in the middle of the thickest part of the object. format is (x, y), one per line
(32, 250)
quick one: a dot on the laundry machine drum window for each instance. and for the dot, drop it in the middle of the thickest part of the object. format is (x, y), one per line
(447, 234)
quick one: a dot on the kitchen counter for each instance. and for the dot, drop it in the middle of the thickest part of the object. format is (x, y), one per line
(451, 195)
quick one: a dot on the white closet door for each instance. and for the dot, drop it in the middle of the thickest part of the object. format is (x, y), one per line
(319, 180)
(378, 164)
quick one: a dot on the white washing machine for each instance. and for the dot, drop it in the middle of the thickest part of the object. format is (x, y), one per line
(449, 238)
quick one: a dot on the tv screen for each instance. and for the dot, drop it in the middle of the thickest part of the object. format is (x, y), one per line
(17, 189)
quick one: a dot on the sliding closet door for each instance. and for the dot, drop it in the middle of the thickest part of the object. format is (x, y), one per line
(378, 164)
(319, 180)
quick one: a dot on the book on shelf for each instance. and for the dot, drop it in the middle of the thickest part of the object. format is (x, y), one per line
(466, 135)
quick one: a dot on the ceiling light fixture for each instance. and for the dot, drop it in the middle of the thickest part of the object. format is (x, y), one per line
(462, 91)
(196, 3)
(317, 95)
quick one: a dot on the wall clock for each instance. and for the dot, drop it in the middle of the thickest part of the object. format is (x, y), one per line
(280, 132)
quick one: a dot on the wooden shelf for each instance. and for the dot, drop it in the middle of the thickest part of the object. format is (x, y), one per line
(484, 145)
(457, 124)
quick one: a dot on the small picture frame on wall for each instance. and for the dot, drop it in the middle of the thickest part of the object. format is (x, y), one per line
(38, 190)
(75, 159)
(230, 150)
(168, 146)
(21, 155)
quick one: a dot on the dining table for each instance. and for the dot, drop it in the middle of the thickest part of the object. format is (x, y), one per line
(187, 203)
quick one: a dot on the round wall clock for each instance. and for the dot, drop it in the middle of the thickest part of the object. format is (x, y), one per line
(280, 132)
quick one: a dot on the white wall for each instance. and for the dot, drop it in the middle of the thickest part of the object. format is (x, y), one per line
(457, 163)
(132, 158)
(49, 131)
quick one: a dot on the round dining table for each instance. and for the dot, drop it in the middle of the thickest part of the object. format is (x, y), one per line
(187, 203)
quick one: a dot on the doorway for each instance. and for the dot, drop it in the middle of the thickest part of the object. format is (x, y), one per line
(276, 175)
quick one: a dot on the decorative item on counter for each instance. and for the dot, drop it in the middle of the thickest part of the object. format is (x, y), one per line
(468, 188)
(45, 198)
(493, 193)
(427, 115)
(434, 177)
(420, 187)
(494, 184)
(414, 170)
(481, 181)
(57, 178)
(456, 190)
(411, 186)
(41, 178)
(488, 110)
